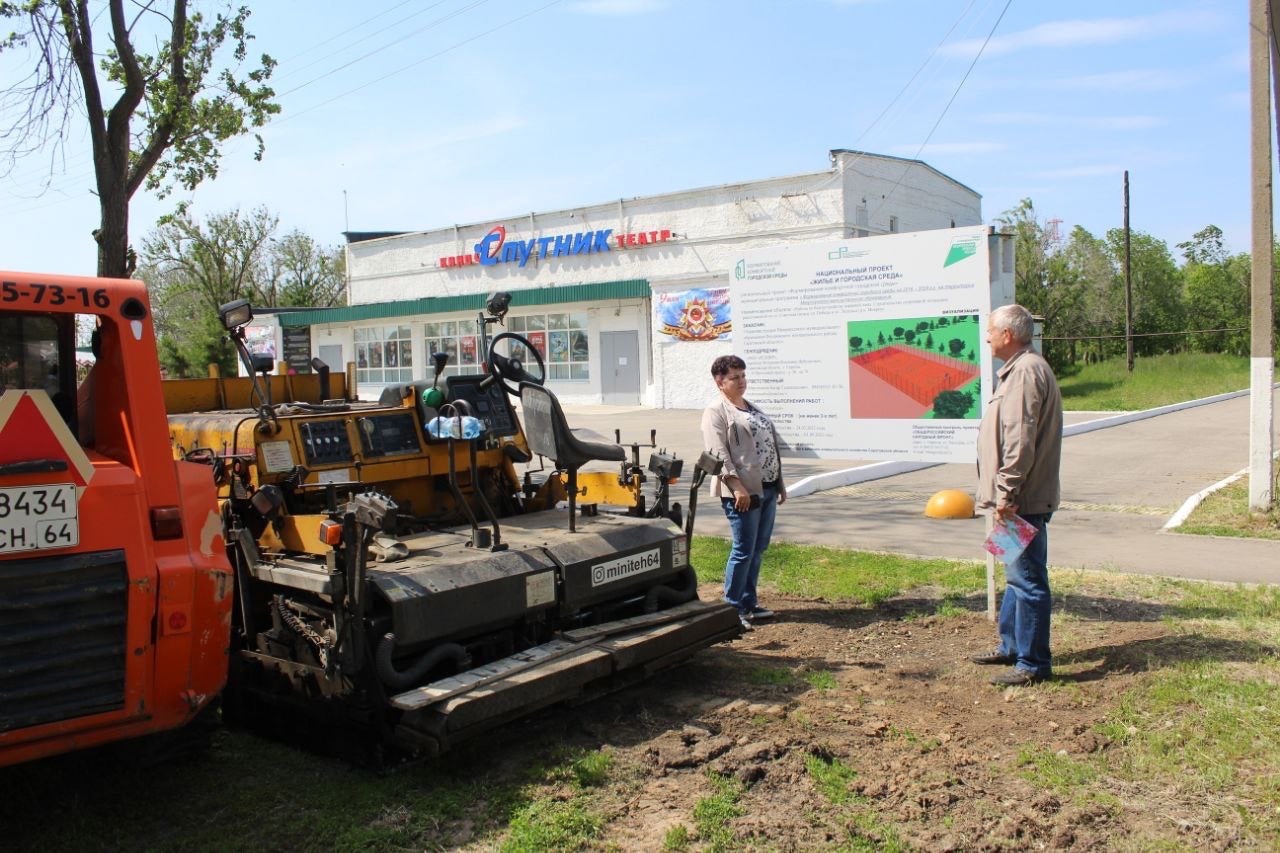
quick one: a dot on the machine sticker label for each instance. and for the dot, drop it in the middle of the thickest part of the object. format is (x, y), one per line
(342, 475)
(679, 551)
(539, 589)
(277, 456)
(625, 567)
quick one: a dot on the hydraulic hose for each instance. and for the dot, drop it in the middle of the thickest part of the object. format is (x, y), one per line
(686, 591)
(400, 679)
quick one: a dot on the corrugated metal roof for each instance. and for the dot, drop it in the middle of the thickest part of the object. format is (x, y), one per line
(627, 289)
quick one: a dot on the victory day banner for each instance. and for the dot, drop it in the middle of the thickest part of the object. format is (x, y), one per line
(693, 315)
(869, 348)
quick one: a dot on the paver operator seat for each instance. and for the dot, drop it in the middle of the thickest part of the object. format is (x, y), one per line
(549, 435)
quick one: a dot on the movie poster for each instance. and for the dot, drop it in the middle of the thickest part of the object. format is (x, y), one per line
(701, 314)
(539, 341)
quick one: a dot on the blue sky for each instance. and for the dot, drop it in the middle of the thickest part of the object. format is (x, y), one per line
(422, 114)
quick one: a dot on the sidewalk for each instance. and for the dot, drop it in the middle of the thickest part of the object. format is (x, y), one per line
(1119, 486)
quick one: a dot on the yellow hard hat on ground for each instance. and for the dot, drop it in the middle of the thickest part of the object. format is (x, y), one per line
(950, 503)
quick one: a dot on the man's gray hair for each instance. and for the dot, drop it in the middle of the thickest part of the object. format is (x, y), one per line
(1016, 319)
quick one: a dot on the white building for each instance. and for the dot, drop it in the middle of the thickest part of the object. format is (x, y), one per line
(585, 280)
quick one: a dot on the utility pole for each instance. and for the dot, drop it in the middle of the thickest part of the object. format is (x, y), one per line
(1128, 281)
(1262, 37)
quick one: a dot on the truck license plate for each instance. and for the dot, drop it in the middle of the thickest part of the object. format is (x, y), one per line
(38, 517)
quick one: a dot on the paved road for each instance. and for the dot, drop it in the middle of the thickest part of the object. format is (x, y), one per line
(1120, 485)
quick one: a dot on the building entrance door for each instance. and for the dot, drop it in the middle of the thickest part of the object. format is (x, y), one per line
(620, 368)
(331, 354)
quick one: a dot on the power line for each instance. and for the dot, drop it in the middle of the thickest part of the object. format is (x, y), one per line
(943, 114)
(346, 32)
(383, 47)
(418, 62)
(77, 179)
(923, 65)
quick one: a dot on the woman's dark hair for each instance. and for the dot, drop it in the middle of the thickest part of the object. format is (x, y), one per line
(722, 365)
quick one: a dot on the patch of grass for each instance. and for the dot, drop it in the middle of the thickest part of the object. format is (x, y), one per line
(923, 743)
(837, 575)
(549, 824)
(771, 675)
(677, 838)
(350, 809)
(1253, 609)
(821, 680)
(951, 606)
(1226, 513)
(1217, 723)
(833, 778)
(592, 769)
(711, 815)
(1057, 772)
(867, 832)
(1156, 381)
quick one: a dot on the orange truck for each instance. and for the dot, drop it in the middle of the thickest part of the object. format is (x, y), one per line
(115, 588)
(397, 575)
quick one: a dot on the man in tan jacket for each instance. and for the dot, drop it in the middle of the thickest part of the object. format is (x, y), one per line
(1019, 451)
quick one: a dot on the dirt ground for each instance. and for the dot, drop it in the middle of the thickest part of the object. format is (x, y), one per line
(935, 748)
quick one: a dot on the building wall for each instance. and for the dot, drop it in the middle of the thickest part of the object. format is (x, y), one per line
(860, 195)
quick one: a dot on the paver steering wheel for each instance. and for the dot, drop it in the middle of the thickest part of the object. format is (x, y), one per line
(511, 370)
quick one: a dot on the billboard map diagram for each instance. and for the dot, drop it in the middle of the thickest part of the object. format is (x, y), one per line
(916, 367)
(871, 348)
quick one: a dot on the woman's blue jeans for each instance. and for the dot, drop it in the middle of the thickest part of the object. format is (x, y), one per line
(751, 533)
(1025, 609)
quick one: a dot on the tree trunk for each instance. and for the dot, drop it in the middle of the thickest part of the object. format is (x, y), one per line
(113, 234)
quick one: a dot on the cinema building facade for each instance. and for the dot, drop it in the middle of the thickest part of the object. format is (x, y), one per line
(628, 301)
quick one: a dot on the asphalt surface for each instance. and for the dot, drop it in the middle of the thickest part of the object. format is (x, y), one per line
(1120, 485)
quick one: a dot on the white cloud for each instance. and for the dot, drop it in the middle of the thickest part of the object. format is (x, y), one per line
(1083, 33)
(617, 8)
(1133, 80)
(1133, 122)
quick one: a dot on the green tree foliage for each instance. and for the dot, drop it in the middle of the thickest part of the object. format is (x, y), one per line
(195, 267)
(1217, 293)
(1098, 306)
(952, 404)
(153, 119)
(1078, 288)
(1217, 296)
(1041, 282)
(1206, 247)
(1157, 292)
(1031, 257)
(299, 271)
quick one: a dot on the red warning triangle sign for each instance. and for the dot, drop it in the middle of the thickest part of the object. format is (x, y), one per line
(32, 429)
